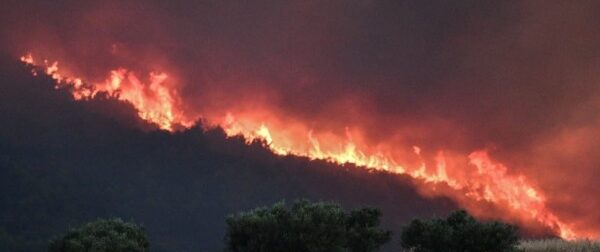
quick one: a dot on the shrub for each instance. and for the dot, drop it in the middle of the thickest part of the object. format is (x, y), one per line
(112, 235)
(305, 227)
(558, 245)
(459, 232)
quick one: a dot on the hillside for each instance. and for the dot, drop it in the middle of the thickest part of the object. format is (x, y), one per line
(63, 163)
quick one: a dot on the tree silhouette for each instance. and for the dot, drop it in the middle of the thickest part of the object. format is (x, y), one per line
(112, 235)
(459, 232)
(305, 227)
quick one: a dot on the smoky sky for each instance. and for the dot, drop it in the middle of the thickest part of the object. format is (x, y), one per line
(516, 77)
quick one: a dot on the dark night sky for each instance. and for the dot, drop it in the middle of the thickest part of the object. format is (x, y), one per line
(518, 78)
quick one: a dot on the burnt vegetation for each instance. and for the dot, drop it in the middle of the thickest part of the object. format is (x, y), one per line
(64, 163)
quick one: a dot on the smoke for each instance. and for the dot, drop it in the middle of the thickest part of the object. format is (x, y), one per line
(517, 78)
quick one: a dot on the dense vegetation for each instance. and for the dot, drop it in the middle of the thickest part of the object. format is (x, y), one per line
(113, 235)
(459, 232)
(325, 227)
(305, 227)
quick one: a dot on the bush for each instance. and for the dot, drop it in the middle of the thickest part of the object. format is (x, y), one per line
(305, 227)
(558, 245)
(112, 235)
(459, 232)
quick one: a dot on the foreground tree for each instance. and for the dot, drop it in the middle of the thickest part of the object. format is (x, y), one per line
(459, 232)
(112, 235)
(305, 227)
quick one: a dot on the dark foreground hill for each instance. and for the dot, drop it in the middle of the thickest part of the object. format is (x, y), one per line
(64, 163)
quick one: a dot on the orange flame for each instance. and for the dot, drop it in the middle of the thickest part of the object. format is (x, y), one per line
(154, 100)
(480, 180)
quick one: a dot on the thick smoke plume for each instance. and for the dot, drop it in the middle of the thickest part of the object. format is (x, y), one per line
(516, 79)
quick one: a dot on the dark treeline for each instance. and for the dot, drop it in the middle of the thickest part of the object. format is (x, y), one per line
(64, 163)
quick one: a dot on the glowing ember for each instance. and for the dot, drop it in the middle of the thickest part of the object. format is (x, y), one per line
(480, 180)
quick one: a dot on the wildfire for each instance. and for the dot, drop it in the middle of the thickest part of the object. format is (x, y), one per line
(480, 180)
(154, 100)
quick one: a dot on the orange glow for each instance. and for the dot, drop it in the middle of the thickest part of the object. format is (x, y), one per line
(153, 99)
(479, 180)
(28, 59)
(489, 181)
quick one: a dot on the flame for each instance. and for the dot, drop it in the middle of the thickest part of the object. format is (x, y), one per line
(154, 100)
(489, 181)
(479, 180)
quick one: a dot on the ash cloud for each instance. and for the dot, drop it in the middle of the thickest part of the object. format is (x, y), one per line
(516, 77)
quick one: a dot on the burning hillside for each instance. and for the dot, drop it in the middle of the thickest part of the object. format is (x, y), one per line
(480, 180)
(492, 105)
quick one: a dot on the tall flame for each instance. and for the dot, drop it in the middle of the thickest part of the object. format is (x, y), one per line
(479, 180)
(154, 100)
